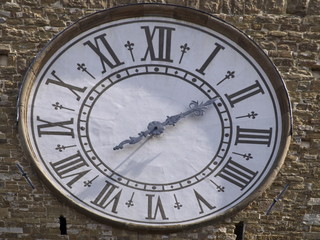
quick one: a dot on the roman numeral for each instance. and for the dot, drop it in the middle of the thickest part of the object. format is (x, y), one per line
(201, 201)
(210, 58)
(57, 81)
(69, 167)
(106, 197)
(107, 55)
(153, 212)
(244, 93)
(163, 44)
(253, 136)
(236, 174)
(55, 128)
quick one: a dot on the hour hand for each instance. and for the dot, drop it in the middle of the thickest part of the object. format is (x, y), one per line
(154, 128)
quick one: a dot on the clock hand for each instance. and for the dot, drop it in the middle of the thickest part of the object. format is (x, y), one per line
(157, 128)
(196, 108)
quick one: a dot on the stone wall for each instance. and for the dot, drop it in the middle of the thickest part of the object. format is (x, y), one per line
(288, 31)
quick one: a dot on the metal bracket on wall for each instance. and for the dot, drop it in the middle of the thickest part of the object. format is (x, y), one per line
(275, 200)
(24, 174)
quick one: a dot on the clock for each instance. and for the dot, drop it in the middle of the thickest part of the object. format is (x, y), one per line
(155, 116)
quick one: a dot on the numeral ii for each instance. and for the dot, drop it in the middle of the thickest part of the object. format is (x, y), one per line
(244, 93)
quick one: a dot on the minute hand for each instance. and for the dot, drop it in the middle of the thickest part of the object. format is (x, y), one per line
(196, 108)
(157, 128)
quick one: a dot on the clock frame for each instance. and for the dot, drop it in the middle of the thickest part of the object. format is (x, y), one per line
(114, 70)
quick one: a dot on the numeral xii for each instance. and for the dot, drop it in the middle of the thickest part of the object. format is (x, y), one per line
(159, 49)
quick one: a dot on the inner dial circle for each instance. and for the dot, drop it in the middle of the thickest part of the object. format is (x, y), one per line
(123, 104)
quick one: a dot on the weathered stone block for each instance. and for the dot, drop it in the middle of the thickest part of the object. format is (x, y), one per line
(311, 219)
(298, 7)
(314, 7)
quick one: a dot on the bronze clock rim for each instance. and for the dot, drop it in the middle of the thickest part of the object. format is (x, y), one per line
(186, 14)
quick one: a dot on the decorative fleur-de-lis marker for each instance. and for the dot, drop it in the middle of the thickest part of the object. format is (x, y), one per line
(177, 204)
(219, 187)
(230, 74)
(184, 49)
(88, 183)
(251, 115)
(82, 67)
(61, 148)
(129, 203)
(58, 106)
(129, 46)
(246, 156)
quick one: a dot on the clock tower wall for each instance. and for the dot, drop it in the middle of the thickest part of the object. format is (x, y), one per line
(287, 30)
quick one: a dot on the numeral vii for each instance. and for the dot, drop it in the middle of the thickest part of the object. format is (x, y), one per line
(105, 198)
(163, 44)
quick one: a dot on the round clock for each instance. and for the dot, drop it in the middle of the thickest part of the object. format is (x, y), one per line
(155, 116)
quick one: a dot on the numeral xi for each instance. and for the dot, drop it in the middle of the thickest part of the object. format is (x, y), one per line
(107, 56)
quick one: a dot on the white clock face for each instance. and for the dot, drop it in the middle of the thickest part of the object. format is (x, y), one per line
(105, 86)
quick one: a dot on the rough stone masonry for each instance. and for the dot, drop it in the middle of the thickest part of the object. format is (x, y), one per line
(287, 30)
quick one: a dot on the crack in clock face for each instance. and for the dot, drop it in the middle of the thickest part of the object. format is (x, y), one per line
(136, 95)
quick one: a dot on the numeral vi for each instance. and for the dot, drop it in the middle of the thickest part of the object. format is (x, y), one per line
(154, 211)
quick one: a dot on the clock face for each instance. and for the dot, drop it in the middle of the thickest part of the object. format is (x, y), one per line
(97, 98)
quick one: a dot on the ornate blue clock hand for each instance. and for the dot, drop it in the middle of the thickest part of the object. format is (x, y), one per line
(157, 128)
